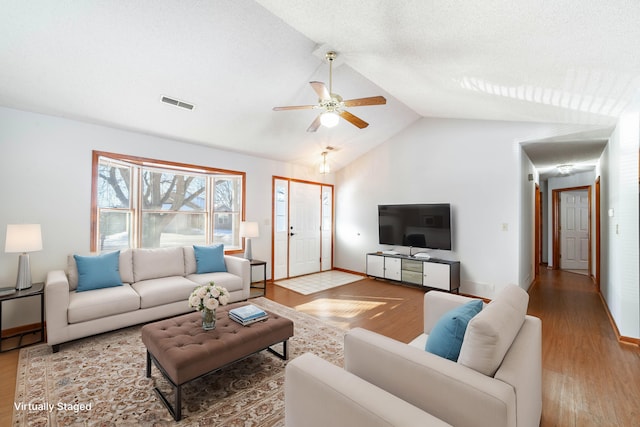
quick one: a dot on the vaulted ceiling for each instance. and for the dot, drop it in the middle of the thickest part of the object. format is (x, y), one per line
(111, 61)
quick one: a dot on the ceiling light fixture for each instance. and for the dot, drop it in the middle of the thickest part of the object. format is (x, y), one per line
(329, 119)
(565, 169)
(324, 165)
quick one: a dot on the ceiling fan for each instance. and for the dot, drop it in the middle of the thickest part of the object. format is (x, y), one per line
(332, 105)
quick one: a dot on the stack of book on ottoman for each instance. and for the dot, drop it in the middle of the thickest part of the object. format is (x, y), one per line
(247, 314)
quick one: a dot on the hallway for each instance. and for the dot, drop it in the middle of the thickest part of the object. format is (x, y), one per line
(589, 378)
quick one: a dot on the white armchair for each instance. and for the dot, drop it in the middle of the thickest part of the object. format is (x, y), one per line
(452, 391)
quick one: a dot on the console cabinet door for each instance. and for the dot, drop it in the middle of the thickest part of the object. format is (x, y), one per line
(392, 268)
(436, 275)
(375, 265)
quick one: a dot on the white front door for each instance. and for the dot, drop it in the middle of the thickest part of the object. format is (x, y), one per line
(304, 228)
(574, 230)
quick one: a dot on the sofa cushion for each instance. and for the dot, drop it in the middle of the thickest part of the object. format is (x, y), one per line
(446, 336)
(125, 267)
(490, 333)
(209, 259)
(97, 272)
(227, 280)
(84, 306)
(157, 262)
(164, 290)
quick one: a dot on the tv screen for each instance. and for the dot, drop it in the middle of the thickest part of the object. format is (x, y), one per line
(417, 225)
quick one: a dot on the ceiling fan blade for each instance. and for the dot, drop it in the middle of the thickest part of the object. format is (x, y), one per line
(294, 107)
(360, 102)
(321, 90)
(356, 121)
(314, 125)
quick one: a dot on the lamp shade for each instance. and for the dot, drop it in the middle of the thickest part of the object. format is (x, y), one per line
(22, 238)
(249, 229)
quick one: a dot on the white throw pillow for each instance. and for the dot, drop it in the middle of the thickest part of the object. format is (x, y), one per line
(491, 332)
(157, 262)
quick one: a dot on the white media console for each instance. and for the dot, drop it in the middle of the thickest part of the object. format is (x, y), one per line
(430, 273)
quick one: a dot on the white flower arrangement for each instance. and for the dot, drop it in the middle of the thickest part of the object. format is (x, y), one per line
(209, 296)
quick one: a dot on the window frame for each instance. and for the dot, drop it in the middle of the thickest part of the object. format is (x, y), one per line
(137, 210)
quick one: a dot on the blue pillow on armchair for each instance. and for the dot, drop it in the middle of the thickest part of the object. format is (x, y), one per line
(209, 259)
(446, 337)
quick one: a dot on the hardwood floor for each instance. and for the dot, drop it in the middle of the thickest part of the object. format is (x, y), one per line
(589, 378)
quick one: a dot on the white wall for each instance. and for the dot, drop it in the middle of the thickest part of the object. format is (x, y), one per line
(620, 275)
(45, 166)
(477, 166)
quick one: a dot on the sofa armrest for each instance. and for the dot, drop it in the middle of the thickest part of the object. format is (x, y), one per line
(437, 303)
(522, 368)
(240, 267)
(449, 391)
(56, 292)
(320, 394)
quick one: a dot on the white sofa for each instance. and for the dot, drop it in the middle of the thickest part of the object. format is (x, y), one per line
(454, 392)
(156, 284)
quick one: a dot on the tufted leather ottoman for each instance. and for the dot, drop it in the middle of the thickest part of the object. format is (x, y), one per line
(183, 351)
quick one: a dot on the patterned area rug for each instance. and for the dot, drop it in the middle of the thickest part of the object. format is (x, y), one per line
(100, 381)
(317, 282)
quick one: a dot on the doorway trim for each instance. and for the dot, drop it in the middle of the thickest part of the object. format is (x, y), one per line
(555, 217)
(596, 273)
(276, 178)
(538, 232)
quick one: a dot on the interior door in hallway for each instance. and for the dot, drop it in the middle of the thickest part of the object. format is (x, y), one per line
(574, 230)
(304, 228)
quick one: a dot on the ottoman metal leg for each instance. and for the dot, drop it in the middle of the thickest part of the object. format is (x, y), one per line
(176, 409)
(285, 351)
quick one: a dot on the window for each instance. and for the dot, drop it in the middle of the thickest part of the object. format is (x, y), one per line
(144, 203)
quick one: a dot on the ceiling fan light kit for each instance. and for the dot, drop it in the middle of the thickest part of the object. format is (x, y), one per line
(332, 104)
(329, 119)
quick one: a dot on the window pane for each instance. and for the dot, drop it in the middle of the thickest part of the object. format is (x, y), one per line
(227, 194)
(168, 191)
(114, 183)
(226, 229)
(163, 229)
(115, 230)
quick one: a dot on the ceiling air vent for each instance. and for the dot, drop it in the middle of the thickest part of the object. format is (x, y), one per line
(177, 103)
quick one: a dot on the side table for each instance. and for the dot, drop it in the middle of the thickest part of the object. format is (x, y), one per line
(254, 263)
(35, 290)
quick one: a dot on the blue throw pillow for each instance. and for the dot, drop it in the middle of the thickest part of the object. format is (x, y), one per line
(209, 259)
(446, 336)
(97, 272)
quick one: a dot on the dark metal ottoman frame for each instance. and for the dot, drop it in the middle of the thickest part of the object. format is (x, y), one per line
(176, 411)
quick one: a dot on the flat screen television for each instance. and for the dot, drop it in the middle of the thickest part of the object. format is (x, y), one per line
(415, 225)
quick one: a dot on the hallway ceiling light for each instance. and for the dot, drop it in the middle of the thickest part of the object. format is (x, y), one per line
(565, 169)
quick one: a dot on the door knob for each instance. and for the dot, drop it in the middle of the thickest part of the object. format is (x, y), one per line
(292, 234)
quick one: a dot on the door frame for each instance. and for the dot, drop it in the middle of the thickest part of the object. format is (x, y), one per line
(596, 273)
(538, 232)
(275, 178)
(555, 219)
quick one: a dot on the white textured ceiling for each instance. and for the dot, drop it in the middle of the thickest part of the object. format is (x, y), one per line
(110, 61)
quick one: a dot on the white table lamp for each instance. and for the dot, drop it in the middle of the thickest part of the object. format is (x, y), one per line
(23, 238)
(248, 230)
